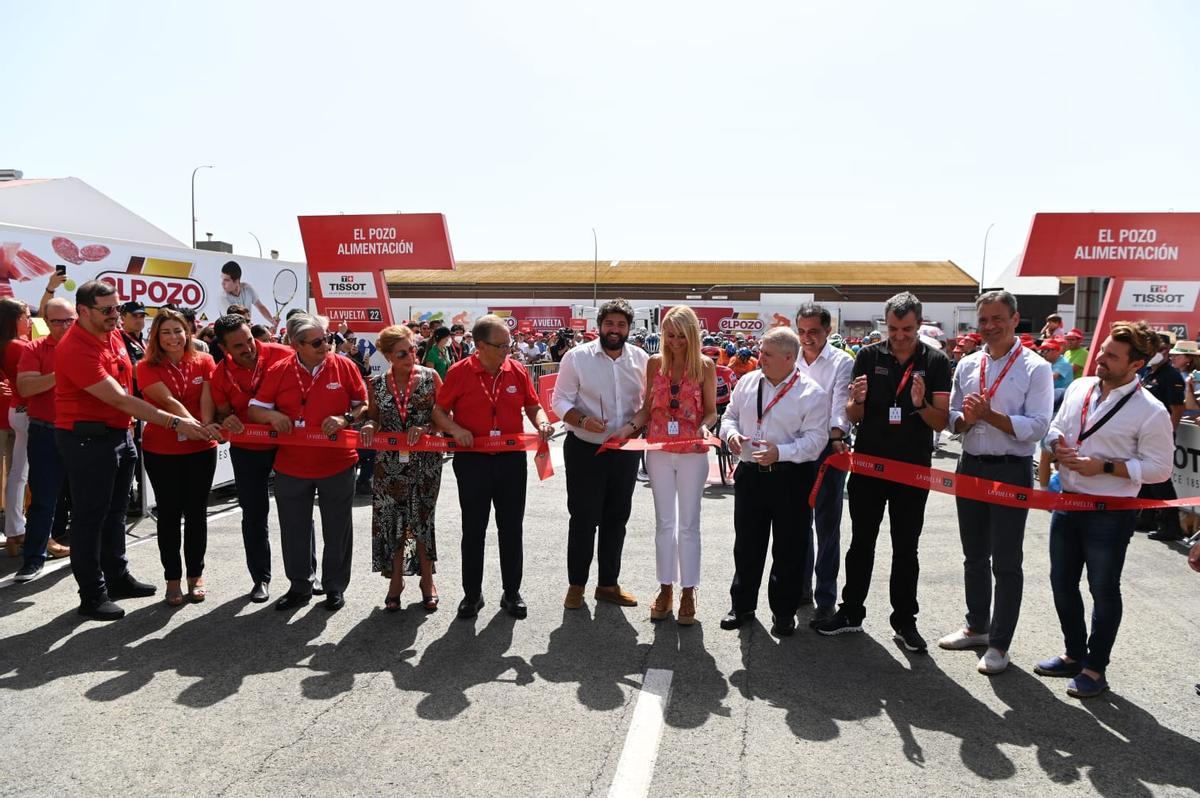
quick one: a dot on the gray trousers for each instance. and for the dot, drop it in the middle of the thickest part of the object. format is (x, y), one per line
(992, 538)
(294, 502)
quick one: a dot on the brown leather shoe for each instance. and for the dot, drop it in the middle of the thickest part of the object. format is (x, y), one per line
(56, 550)
(687, 607)
(574, 599)
(663, 603)
(615, 595)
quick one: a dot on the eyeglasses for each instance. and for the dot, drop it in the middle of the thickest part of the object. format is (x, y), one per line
(107, 310)
(61, 322)
(315, 343)
(504, 345)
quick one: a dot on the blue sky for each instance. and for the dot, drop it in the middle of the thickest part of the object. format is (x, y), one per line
(799, 131)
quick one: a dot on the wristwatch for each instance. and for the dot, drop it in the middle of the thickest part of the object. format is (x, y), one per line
(349, 417)
(1109, 465)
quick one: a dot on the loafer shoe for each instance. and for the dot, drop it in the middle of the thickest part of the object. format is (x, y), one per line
(334, 601)
(102, 610)
(613, 594)
(993, 661)
(783, 627)
(820, 616)
(911, 639)
(1057, 666)
(128, 586)
(469, 607)
(961, 639)
(290, 600)
(1084, 686)
(838, 624)
(1165, 534)
(260, 593)
(29, 571)
(574, 599)
(735, 620)
(56, 550)
(513, 604)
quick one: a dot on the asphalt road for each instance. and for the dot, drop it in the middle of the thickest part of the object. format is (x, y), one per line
(232, 698)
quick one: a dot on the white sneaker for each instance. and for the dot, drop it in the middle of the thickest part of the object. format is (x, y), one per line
(961, 638)
(993, 661)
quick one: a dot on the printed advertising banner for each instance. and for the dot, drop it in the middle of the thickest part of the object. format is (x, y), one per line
(348, 255)
(147, 273)
(734, 321)
(1152, 258)
(539, 319)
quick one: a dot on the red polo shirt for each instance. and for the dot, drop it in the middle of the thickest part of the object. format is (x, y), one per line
(82, 361)
(39, 357)
(186, 384)
(236, 385)
(289, 388)
(482, 402)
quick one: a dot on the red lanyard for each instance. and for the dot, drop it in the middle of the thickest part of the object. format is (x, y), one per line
(904, 379)
(494, 394)
(983, 389)
(782, 393)
(312, 380)
(402, 401)
(178, 389)
(256, 377)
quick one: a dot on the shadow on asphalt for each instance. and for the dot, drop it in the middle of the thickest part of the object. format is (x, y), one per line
(573, 656)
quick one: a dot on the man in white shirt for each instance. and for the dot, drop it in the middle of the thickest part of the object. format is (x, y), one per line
(1001, 404)
(600, 387)
(831, 368)
(1109, 438)
(777, 425)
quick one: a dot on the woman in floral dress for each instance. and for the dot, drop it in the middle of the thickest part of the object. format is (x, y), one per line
(405, 485)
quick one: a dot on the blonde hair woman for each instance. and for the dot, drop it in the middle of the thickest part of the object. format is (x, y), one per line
(681, 400)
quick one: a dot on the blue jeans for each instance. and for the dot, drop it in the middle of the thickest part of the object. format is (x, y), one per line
(1097, 540)
(46, 476)
(827, 518)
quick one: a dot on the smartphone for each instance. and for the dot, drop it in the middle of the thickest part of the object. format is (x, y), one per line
(61, 268)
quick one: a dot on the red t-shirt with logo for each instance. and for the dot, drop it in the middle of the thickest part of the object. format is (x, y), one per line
(39, 357)
(289, 388)
(482, 402)
(236, 385)
(82, 361)
(186, 384)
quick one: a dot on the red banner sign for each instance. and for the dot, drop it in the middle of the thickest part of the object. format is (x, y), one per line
(1153, 258)
(347, 256)
(540, 319)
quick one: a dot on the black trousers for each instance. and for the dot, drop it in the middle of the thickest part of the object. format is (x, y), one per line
(100, 471)
(251, 473)
(1166, 519)
(484, 481)
(770, 508)
(181, 485)
(906, 516)
(599, 496)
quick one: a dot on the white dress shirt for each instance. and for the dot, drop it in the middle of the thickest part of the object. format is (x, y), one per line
(1026, 396)
(798, 424)
(1139, 435)
(833, 370)
(600, 387)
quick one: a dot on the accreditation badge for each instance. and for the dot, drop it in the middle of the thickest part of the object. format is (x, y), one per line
(672, 427)
(894, 415)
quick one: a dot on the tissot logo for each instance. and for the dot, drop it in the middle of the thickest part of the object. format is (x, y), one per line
(1173, 296)
(1160, 289)
(347, 285)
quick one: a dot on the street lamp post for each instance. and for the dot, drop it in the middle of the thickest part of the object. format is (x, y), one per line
(595, 266)
(194, 171)
(256, 241)
(983, 265)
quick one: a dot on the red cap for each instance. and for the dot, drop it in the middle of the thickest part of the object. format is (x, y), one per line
(1051, 343)
(1074, 332)
(1029, 344)
(976, 337)
(590, 336)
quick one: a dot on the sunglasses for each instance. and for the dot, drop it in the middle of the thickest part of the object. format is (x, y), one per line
(674, 393)
(315, 343)
(61, 322)
(107, 310)
(401, 353)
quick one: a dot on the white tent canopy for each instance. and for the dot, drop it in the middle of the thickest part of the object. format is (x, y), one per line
(72, 206)
(1010, 281)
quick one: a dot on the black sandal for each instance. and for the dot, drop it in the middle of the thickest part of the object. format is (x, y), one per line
(392, 603)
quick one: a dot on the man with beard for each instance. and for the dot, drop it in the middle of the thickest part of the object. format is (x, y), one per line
(599, 389)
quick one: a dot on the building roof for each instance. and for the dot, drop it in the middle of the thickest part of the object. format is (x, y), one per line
(70, 205)
(691, 273)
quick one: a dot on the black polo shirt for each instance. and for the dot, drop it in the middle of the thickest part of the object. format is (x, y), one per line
(910, 441)
(1164, 383)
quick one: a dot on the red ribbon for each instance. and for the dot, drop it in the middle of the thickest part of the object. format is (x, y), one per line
(984, 490)
(682, 446)
(398, 442)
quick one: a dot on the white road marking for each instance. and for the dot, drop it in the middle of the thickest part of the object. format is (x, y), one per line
(636, 766)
